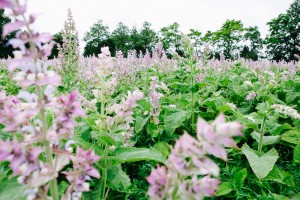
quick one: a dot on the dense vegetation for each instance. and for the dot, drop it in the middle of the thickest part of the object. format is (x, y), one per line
(193, 124)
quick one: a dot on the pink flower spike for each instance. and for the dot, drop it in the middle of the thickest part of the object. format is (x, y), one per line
(209, 186)
(219, 120)
(43, 37)
(215, 150)
(17, 43)
(202, 126)
(93, 172)
(6, 4)
(10, 27)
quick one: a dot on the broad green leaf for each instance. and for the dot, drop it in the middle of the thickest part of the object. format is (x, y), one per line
(224, 108)
(140, 123)
(12, 190)
(279, 197)
(277, 130)
(132, 154)
(163, 147)
(107, 140)
(62, 187)
(261, 165)
(296, 197)
(297, 153)
(267, 140)
(152, 130)
(239, 178)
(291, 96)
(280, 176)
(292, 136)
(224, 188)
(87, 145)
(117, 179)
(175, 119)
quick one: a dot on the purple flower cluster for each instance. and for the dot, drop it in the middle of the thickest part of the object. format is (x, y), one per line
(251, 96)
(25, 115)
(24, 162)
(123, 117)
(188, 160)
(155, 96)
(82, 171)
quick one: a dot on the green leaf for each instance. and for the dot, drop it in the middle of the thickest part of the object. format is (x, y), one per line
(132, 154)
(117, 179)
(163, 148)
(224, 108)
(152, 130)
(267, 140)
(277, 130)
(107, 140)
(261, 165)
(88, 145)
(297, 153)
(239, 178)
(11, 189)
(279, 197)
(280, 176)
(174, 119)
(140, 123)
(296, 197)
(223, 189)
(62, 187)
(291, 96)
(292, 136)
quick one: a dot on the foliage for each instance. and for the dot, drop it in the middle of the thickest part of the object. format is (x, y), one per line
(284, 34)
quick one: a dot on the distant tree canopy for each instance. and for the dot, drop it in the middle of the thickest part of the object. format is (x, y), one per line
(284, 34)
(122, 39)
(5, 49)
(58, 39)
(231, 41)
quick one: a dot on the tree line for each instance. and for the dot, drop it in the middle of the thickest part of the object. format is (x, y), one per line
(232, 41)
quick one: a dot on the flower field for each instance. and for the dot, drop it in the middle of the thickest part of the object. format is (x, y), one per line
(144, 126)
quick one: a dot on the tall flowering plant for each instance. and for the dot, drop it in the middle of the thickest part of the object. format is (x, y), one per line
(36, 154)
(189, 172)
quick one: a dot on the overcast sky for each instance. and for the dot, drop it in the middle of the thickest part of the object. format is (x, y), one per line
(202, 15)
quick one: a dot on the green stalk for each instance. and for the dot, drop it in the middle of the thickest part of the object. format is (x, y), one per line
(261, 136)
(104, 161)
(103, 175)
(193, 98)
(48, 152)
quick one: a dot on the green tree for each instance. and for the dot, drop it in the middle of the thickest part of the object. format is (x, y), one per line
(228, 39)
(170, 37)
(121, 38)
(5, 49)
(98, 36)
(58, 39)
(197, 39)
(284, 34)
(143, 39)
(253, 44)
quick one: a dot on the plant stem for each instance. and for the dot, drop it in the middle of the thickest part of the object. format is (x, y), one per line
(104, 161)
(103, 175)
(193, 98)
(48, 152)
(261, 136)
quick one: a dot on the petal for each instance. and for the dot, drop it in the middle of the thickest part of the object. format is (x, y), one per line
(10, 27)
(93, 172)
